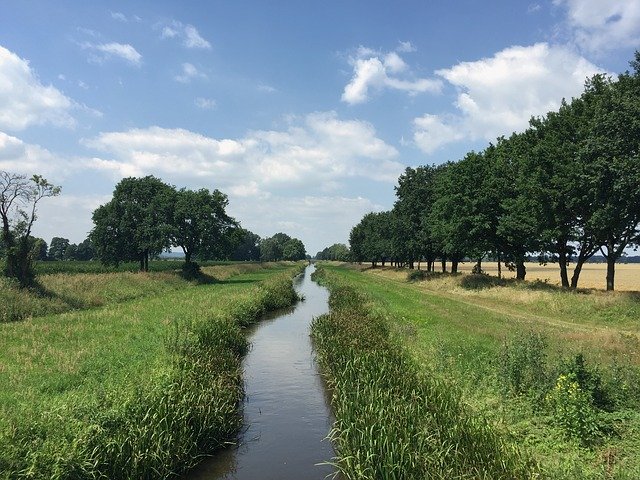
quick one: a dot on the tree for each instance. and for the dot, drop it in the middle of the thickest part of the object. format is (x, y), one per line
(201, 226)
(19, 199)
(294, 250)
(58, 248)
(136, 224)
(40, 248)
(71, 252)
(85, 250)
(337, 251)
(247, 245)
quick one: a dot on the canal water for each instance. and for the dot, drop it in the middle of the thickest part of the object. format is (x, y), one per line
(286, 409)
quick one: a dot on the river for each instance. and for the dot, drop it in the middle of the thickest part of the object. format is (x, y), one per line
(286, 409)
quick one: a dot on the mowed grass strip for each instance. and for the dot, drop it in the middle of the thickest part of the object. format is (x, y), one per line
(473, 333)
(139, 389)
(62, 292)
(392, 420)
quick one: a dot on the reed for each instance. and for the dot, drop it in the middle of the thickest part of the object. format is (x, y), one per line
(393, 421)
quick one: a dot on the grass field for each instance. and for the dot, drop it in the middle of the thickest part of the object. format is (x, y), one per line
(593, 275)
(138, 388)
(556, 371)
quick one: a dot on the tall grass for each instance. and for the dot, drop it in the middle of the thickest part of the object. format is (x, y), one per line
(392, 421)
(61, 292)
(154, 387)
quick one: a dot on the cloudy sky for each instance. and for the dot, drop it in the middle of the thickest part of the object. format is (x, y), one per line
(303, 112)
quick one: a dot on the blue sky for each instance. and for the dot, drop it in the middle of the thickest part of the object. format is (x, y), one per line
(304, 113)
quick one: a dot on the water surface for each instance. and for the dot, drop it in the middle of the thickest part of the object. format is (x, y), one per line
(286, 410)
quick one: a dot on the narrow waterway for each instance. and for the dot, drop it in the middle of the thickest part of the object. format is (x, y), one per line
(286, 409)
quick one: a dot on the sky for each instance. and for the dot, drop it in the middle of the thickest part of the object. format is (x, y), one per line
(303, 112)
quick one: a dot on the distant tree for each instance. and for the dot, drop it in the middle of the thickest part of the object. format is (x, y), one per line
(71, 252)
(136, 224)
(294, 250)
(281, 247)
(247, 246)
(85, 250)
(40, 248)
(337, 251)
(201, 226)
(58, 248)
(19, 199)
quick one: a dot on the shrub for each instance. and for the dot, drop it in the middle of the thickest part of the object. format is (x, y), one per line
(522, 365)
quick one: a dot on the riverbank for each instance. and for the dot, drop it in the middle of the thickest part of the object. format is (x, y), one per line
(137, 389)
(555, 371)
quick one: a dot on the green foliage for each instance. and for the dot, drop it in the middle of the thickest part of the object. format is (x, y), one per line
(156, 387)
(247, 245)
(338, 252)
(391, 420)
(522, 365)
(281, 247)
(572, 409)
(57, 248)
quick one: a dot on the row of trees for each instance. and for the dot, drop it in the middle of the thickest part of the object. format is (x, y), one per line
(146, 217)
(337, 251)
(563, 190)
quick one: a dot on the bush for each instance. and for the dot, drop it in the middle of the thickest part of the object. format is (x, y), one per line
(522, 365)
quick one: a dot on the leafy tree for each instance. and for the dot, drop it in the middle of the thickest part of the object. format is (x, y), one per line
(71, 252)
(58, 248)
(201, 226)
(85, 250)
(136, 224)
(337, 251)
(19, 198)
(270, 250)
(247, 245)
(294, 250)
(40, 248)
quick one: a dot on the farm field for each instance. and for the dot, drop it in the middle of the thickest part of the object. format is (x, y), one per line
(556, 372)
(140, 387)
(593, 275)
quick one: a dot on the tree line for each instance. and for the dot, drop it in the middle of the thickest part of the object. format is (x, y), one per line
(145, 218)
(563, 190)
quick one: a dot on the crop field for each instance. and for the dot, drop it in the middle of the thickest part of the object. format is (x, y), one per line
(136, 385)
(593, 275)
(555, 374)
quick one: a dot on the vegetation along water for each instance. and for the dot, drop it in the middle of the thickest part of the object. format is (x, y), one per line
(140, 387)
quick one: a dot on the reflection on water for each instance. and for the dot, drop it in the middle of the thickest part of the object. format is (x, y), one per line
(286, 411)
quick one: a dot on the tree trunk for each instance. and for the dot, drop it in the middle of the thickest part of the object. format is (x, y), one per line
(418, 264)
(187, 257)
(411, 265)
(142, 262)
(611, 270)
(454, 266)
(444, 265)
(383, 260)
(499, 266)
(429, 265)
(521, 270)
(478, 267)
(576, 272)
(562, 261)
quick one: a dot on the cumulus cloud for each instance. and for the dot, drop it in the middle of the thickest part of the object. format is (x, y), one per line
(189, 72)
(319, 148)
(599, 26)
(105, 51)
(189, 35)
(377, 71)
(121, 17)
(25, 101)
(498, 95)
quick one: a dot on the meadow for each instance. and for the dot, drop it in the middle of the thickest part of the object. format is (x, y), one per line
(550, 376)
(140, 384)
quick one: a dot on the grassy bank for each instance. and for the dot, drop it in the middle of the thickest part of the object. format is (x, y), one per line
(556, 370)
(139, 389)
(62, 292)
(392, 420)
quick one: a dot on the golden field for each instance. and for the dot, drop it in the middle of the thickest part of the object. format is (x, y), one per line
(593, 274)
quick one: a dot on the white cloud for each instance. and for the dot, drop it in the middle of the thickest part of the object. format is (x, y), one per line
(533, 8)
(378, 71)
(406, 47)
(121, 17)
(316, 149)
(266, 88)
(189, 72)
(189, 35)
(24, 100)
(205, 103)
(498, 95)
(599, 26)
(104, 51)
(20, 157)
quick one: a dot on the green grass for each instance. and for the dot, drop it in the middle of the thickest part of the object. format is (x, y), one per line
(61, 292)
(138, 389)
(472, 338)
(392, 420)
